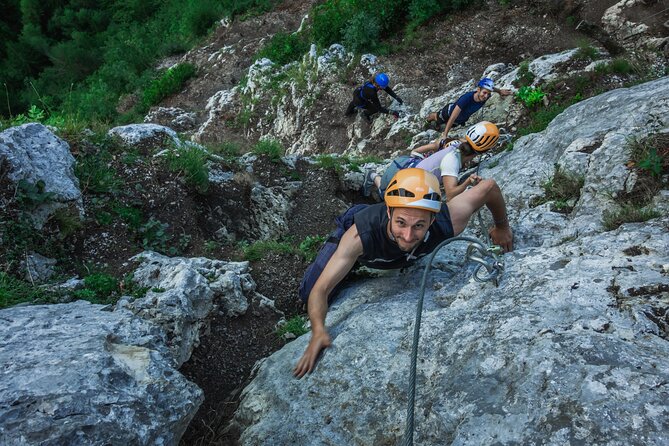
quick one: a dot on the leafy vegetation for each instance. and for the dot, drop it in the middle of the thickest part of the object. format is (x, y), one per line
(525, 77)
(310, 246)
(563, 189)
(257, 250)
(530, 96)
(78, 58)
(169, 83)
(284, 48)
(297, 326)
(191, 162)
(270, 148)
(648, 156)
(14, 291)
(586, 51)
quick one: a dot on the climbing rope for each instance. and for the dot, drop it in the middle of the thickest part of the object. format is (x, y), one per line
(487, 270)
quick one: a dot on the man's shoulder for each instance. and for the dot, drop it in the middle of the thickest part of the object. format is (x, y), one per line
(467, 97)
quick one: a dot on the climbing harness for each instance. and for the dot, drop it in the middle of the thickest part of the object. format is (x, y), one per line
(490, 267)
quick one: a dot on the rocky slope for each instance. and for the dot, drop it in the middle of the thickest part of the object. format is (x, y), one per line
(569, 348)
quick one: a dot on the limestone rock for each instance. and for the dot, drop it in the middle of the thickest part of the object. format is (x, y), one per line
(172, 117)
(150, 136)
(183, 292)
(33, 153)
(562, 351)
(79, 374)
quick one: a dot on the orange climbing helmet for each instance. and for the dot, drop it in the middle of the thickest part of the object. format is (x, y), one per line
(414, 188)
(482, 136)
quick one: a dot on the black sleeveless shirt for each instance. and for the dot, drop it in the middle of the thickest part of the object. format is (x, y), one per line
(380, 252)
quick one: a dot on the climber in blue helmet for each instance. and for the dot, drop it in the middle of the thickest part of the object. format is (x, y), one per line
(458, 113)
(366, 97)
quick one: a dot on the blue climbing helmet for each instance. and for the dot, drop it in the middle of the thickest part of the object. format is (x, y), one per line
(381, 80)
(486, 83)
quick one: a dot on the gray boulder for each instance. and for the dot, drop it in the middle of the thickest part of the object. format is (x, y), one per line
(589, 139)
(571, 348)
(183, 292)
(568, 350)
(149, 135)
(31, 152)
(78, 374)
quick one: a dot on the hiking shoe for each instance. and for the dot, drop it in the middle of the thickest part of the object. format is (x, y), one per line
(368, 182)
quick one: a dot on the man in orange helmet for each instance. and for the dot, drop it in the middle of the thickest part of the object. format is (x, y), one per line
(410, 224)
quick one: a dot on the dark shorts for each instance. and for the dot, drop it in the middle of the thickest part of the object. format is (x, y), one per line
(324, 255)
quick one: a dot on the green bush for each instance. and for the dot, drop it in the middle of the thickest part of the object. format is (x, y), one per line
(284, 48)
(95, 175)
(99, 288)
(362, 32)
(310, 246)
(525, 77)
(530, 96)
(169, 83)
(269, 147)
(192, 163)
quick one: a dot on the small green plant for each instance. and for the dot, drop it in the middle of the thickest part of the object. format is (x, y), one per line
(564, 190)
(257, 250)
(190, 162)
(540, 119)
(169, 83)
(284, 48)
(652, 162)
(130, 288)
(310, 246)
(99, 288)
(616, 66)
(130, 215)
(14, 291)
(155, 237)
(31, 195)
(297, 326)
(645, 154)
(271, 148)
(627, 213)
(210, 246)
(530, 96)
(95, 175)
(586, 51)
(525, 77)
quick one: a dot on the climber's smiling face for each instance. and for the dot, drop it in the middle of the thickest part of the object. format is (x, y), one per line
(408, 226)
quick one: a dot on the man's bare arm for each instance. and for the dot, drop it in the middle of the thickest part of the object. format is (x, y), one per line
(451, 119)
(487, 193)
(341, 262)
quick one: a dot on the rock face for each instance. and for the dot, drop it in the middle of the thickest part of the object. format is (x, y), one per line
(589, 139)
(571, 348)
(33, 153)
(183, 292)
(79, 374)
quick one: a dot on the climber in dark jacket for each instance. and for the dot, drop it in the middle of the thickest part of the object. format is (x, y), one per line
(366, 97)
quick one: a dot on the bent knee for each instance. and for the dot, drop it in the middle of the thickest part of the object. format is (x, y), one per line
(486, 185)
